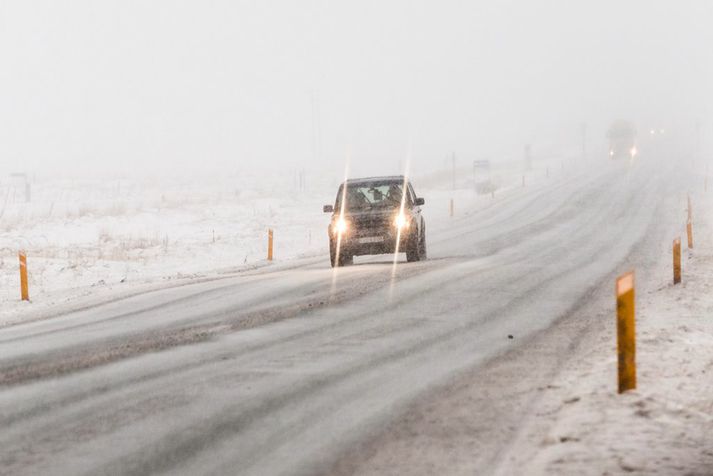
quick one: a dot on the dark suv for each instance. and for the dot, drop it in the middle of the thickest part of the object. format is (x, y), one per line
(376, 215)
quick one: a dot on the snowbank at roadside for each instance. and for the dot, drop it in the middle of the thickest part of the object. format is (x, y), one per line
(582, 426)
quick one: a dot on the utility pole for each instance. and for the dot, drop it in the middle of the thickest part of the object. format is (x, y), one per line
(316, 127)
(454, 170)
(25, 182)
(584, 140)
(698, 140)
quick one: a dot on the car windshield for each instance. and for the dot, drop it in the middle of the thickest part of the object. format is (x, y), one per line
(365, 196)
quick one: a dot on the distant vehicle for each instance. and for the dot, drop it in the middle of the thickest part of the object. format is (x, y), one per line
(622, 140)
(375, 216)
(482, 177)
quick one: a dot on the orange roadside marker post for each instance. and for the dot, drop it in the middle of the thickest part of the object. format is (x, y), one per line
(626, 331)
(269, 244)
(24, 289)
(677, 260)
(689, 224)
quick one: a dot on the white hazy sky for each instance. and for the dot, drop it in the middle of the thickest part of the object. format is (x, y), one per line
(132, 85)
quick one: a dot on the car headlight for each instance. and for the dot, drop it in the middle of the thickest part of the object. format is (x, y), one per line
(401, 221)
(633, 151)
(340, 226)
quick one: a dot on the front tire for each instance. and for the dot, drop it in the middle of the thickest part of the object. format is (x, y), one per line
(345, 259)
(413, 252)
(422, 243)
(417, 251)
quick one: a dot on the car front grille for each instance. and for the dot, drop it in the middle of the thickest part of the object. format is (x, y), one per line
(372, 225)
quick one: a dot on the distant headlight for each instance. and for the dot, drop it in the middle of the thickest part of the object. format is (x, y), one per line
(633, 151)
(611, 153)
(340, 226)
(401, 221)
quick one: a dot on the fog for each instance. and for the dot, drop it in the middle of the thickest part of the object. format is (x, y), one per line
(184, 290)
(217, 86)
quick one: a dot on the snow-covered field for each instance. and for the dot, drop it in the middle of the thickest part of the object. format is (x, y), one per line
(103, 237)
(86, 236)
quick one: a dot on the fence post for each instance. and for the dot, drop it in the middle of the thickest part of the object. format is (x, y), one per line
(689, 233)
(626, 331)
(677, 260)
(24, 290)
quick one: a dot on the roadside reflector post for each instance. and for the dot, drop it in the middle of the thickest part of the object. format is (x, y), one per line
(689, 232)
(24, 290)
(269, 244)
(450, 208)
(677, 261)
(626, 331)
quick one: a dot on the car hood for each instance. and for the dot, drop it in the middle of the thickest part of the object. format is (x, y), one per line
(373, 213)
(381, 218)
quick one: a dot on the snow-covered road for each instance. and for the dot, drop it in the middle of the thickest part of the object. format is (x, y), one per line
(282, 371)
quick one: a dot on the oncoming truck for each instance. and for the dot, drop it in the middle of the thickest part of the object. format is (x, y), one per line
(622, 140)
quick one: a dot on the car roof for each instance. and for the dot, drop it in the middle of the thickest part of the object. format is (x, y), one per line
(386, 178)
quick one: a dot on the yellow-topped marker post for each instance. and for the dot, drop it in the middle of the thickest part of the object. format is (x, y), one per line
(269, 244)
(677, 260)
(24, 288)
(626, 331)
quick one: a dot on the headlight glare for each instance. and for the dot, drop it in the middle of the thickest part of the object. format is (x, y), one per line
(340, 226)
(401, 221)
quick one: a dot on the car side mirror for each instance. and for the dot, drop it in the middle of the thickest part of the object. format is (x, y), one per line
(420, 201)
(328, 209)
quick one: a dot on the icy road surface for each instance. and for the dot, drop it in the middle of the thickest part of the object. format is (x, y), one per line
(282, 371)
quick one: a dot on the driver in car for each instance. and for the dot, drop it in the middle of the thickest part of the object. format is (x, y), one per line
(394, 194)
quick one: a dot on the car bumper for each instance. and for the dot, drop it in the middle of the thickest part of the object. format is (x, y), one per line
(374, 243)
